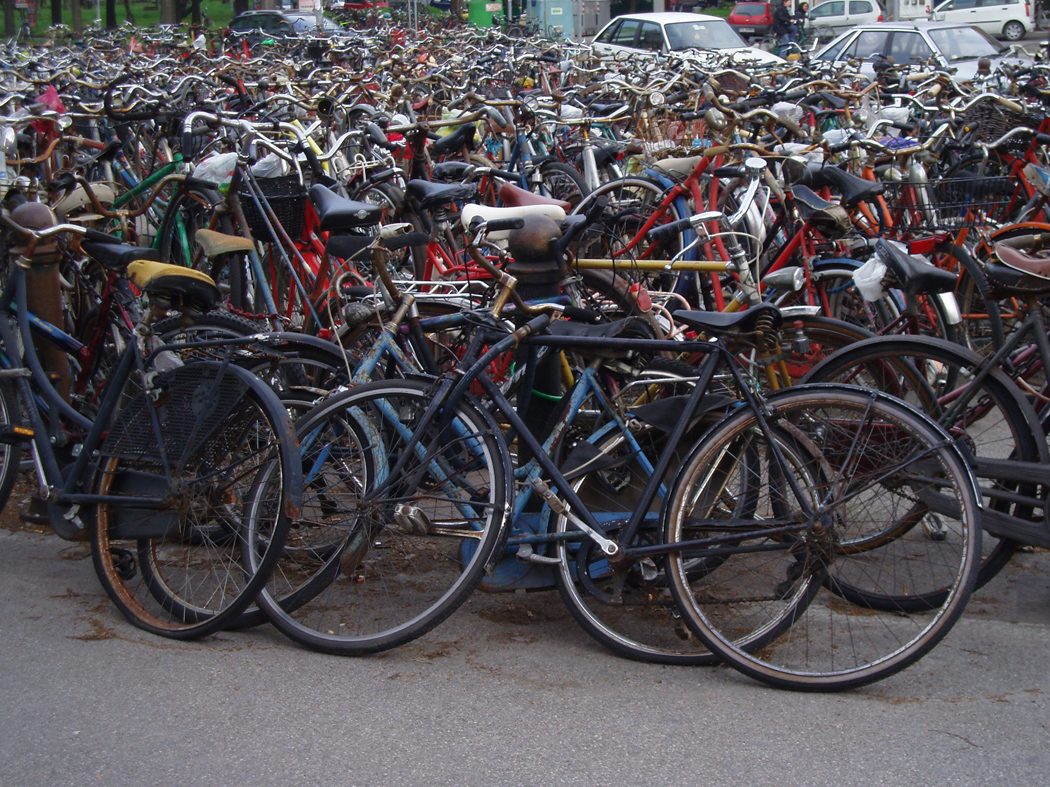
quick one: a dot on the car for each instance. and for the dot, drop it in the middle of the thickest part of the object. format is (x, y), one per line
(641, 34)
(949, 45)
(255, 25)
(751, 19)
(1010, 19)
(833, 17)
(360, 5)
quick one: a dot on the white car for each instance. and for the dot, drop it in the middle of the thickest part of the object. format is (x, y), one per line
(832, 17)
(1010, 19)
(953, 46)
(638, 34)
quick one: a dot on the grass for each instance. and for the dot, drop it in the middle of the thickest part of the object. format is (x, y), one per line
(218, 12)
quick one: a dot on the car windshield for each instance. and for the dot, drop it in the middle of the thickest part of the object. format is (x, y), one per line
(702, 34)
(963, 43)
(750, 9)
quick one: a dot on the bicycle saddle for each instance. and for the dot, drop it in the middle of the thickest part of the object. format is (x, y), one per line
(194, 290)
(732, 323)
(626, 328)
(830, 219)
(678, 168)
(434, 195)
(916, 276)
(347, 247)
(852, 189)
(1016, 273)
(116, 256)
(215, 244)
(516, 196)
(339, 213)
(452, 170)
(470, 212)
(464, 135)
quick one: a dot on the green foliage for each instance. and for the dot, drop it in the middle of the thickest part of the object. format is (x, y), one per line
(146, 12)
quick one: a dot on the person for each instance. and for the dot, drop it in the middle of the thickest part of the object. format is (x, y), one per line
(800, 19)
(783, 23)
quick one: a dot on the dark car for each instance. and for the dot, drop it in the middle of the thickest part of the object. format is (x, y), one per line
(256, 25)
(751, 20)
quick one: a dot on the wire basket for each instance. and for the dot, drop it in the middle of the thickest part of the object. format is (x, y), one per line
(953, 203)
(287, 199)
(990, 120)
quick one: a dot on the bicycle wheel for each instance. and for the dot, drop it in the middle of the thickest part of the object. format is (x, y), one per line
(174, 567)
(561, 181)
(187, 212)
(10, 445)
(631, 202)
(871, 473)
(375, 560)
(631, 612)
(993, 419)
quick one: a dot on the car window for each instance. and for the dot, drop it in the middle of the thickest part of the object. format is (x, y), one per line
(868, 44)
(909, 48)
(625, 35)
(961, 43)
(750, 9)
(607, 34)
(828, 9)
(959, 5)
(651, 37)
(859, 7)
(834, 51)
(712, 34)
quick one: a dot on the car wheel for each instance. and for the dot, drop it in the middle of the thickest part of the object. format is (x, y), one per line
(1013, 31)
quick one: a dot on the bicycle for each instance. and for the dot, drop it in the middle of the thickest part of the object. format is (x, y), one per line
(410, 483)
(159, 474)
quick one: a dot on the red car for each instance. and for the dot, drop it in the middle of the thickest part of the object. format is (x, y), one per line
(751, 20)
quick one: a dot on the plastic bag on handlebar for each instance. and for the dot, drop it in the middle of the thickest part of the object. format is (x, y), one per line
(218, 169)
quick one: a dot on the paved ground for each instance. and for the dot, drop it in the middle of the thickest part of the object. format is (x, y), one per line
(508, 692)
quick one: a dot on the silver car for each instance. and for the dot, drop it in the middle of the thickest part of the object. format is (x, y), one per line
(959, 47)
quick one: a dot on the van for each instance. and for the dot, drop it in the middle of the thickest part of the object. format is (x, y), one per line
(1009, 19)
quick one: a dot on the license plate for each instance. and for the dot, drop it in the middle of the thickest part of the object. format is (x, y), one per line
(747, 30)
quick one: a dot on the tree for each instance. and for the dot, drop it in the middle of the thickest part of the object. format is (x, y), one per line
(9, 18)
(56, 12)
(111, 13)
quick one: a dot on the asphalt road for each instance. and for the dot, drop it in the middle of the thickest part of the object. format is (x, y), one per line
(507, 692)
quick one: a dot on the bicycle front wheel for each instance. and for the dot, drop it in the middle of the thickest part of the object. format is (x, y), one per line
(225, 456)
(378, 558)
(845, 486)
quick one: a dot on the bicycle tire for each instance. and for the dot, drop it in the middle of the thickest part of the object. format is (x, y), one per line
(187, 212)
(559, 180)
(10, 445)
(1000, 424)
(769, 610)
(175, 570)
(374, 582)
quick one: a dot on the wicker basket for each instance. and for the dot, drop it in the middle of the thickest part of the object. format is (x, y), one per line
(991, 120)
(287, 199)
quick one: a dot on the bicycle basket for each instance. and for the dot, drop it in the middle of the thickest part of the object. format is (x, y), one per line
(954, 203)
(991, 120)
(287, 199)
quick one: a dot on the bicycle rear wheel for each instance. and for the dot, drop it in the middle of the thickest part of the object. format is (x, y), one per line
(878, 479)
(173, 567)
(375, 560)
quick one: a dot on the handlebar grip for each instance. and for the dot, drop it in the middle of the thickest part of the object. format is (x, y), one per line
(667, 230)
(842, 147)
(499, 225)
(903, 126)
(729, 171)
(1043, 139)
(581, 315)
(794, 95)
(403, 241)
(101, 237)
(596, 209)
(535, 325)
(505, 174)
